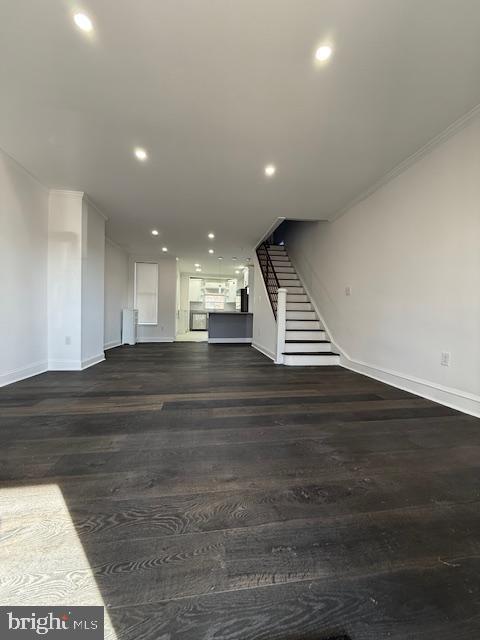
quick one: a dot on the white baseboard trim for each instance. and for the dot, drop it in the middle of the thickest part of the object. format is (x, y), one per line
(266, 352)
(155, 340)
(89, 362)
(448, 396)
(229, 340)
(112, 345)
(75, 365)
(64, 365)
(15, 375)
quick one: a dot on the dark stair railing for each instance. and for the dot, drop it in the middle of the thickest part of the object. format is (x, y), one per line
(269, 275)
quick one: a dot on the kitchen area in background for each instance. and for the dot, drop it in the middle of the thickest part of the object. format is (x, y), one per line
(214, 308)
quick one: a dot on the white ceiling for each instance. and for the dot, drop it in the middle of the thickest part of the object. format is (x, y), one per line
(216, 89)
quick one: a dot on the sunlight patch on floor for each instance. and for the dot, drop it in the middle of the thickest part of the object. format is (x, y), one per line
(42, 558)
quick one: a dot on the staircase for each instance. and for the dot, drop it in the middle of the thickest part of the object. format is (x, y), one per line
(306, 342)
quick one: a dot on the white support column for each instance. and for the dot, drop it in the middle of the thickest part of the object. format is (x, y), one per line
(281, 324)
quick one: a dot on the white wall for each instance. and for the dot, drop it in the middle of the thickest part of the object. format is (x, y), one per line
(164, 330)
(23, 267)
(264, 323)
(116, 292)
(65, 280)
(76, 265)
(411, 255)
(93, 295)
(183, 304)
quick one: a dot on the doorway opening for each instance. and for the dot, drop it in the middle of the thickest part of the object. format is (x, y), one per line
(197, 297)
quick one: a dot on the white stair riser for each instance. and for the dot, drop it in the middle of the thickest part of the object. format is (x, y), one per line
(311, 361)
(279, 258)
(292, 277)
(292, 298)
(305, 335)
(298, 324)
(313, 346)
(279, 270)
(299, 306)
(277, 254)
(301, 315)
(294, 290)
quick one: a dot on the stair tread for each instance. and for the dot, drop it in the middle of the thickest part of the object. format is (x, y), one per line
(310, 353)
(304, 330)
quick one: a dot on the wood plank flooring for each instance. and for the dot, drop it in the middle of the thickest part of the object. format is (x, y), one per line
(216, 496)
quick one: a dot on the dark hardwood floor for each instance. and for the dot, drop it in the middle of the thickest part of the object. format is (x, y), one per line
(219, 497)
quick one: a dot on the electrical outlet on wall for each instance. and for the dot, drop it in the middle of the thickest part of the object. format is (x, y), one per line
(348, 291)
(445, 359)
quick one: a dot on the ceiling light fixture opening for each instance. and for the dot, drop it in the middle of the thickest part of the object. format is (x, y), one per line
(154, 232)
(140, 154)
(270, 170)
(323, 53)
(83, 22)
(211, 235)
(211, 251)
(164, 249)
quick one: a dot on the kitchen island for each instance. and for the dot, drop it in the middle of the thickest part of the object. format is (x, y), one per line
(230, 326)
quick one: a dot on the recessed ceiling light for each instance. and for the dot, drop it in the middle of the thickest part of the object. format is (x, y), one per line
(140, 154)
(83, 22)
(211, 235)
(237, 272)
(198, 270)
(164, 249)
(211, 251)
(154, 232)
(220, 258)
(234, 258)
(196, 264)
(270, 170)
(323, 53)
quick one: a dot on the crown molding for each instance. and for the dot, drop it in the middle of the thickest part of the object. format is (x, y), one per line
(115, 244)
(444, 135)
(90, 202)
(24, 169)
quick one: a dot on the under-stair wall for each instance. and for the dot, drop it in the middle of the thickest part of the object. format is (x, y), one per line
(264, 324)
